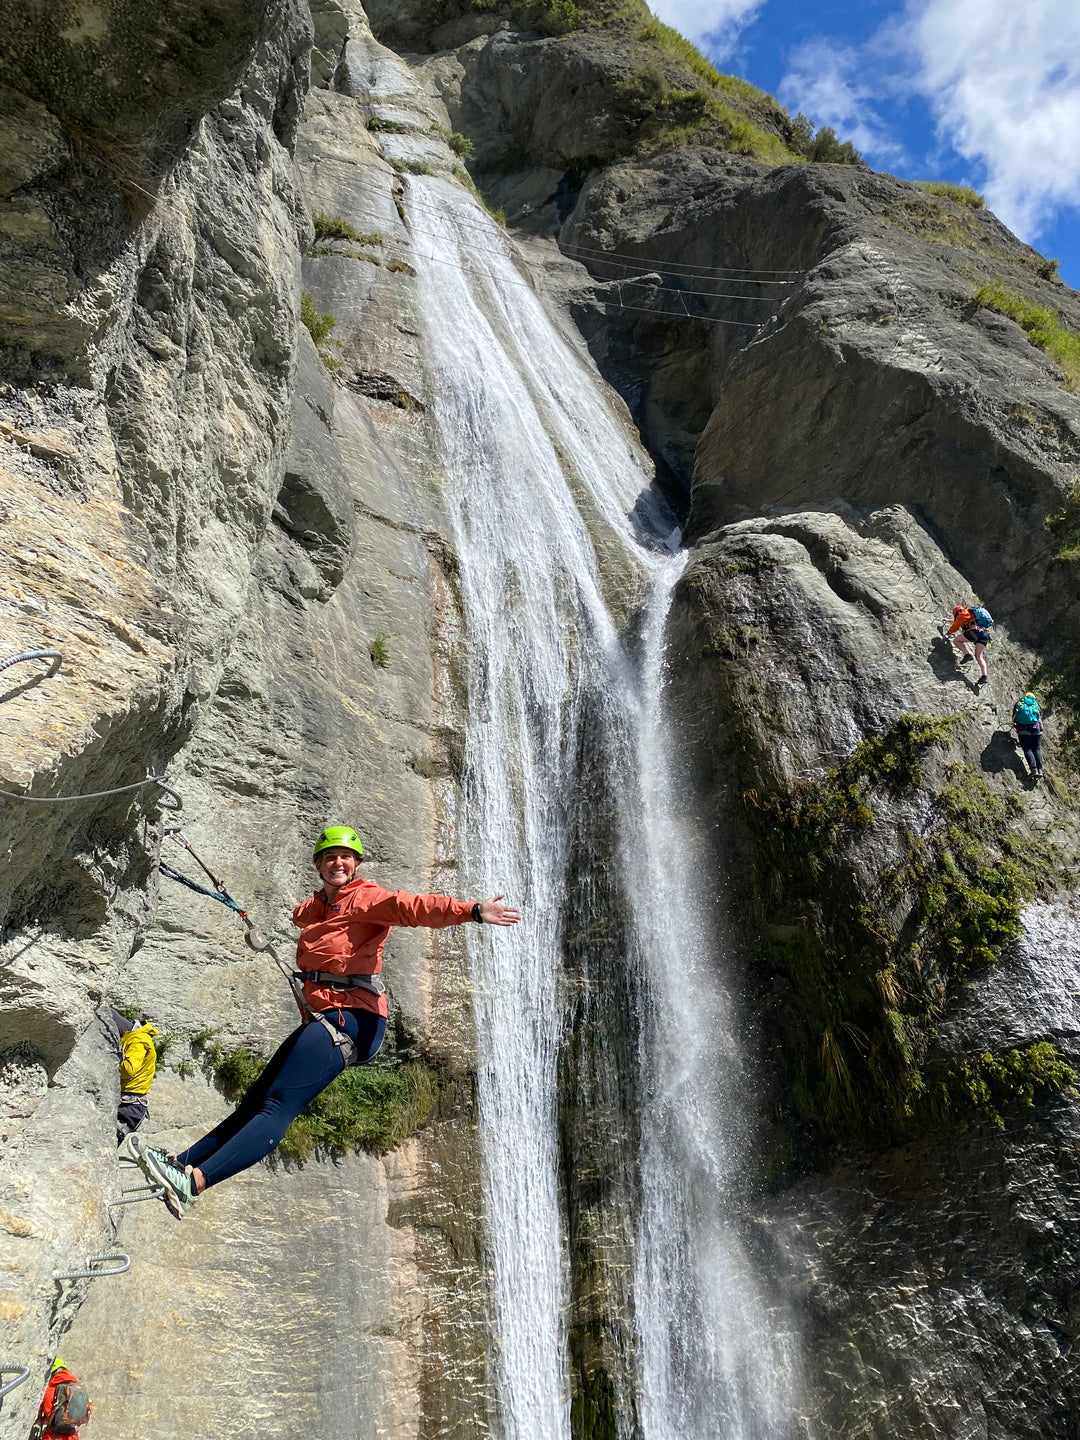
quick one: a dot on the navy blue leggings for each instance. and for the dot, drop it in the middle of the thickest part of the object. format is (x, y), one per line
(1031, 744)
(302, 1066)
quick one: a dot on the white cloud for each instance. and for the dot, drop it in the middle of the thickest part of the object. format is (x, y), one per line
(835, 85)
(714, 24)
(1003, 80)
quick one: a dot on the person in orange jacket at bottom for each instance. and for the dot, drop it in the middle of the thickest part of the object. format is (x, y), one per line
(65, 1406)
(344, 929)
(966, 628)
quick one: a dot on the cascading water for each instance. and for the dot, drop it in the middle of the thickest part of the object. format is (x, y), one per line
(716, 1359)
(544, 478)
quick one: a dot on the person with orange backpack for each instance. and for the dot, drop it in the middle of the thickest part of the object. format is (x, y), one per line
(65, 1406)
(974, 624)
(344, 928)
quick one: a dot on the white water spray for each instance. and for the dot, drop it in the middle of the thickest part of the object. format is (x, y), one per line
(543, 479)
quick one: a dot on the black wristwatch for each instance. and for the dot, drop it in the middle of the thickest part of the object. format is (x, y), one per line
(476, 914)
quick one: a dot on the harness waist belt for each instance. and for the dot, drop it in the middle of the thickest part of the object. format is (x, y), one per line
(343, 982)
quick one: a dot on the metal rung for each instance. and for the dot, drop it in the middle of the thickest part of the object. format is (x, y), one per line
(137, 1193)
(21, 1373)
(91, 1274)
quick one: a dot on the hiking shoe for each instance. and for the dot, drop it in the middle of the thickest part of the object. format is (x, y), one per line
(982, 680)
(178, 1185)
(967, 659)
(131, 1147)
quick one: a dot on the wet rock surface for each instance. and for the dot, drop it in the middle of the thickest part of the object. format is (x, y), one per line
(215, 520)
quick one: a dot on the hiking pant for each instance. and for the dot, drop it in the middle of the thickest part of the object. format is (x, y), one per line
(300, 1069)
(130, 1114)
(1031, 744)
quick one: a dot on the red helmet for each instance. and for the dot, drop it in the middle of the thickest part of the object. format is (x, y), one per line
(956, 609)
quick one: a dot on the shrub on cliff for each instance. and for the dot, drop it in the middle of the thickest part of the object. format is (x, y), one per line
(821, 147)
(371, 1108)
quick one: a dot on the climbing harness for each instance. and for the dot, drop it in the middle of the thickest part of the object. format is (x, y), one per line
(263, 945)
(56, 656)
(99, 1261)
(21, 1373)
(344, 982)
(173, 803)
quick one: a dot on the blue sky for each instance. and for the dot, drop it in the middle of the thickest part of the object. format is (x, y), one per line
(983, 92)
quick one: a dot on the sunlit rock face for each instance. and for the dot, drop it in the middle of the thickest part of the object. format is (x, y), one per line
(254, 552)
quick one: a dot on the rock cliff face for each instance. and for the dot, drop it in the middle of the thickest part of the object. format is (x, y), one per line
(240, 541)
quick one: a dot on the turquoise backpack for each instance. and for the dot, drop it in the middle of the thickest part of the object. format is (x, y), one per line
(1026, 711)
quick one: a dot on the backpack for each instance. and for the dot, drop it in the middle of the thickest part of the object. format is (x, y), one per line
(982, 617)
(1026, 711)
(70, 1408)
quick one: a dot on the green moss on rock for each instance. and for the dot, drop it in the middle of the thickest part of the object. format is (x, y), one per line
(368, 1107)
(867, 952)
(985, 1086)
(592, 1410)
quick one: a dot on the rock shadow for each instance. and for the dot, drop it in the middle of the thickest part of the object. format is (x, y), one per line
(1001, 754)
(945, 663)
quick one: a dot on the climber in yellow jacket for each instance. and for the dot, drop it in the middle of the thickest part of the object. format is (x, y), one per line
(138, 1062)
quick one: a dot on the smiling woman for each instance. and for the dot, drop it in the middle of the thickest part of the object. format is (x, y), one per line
(343, 932)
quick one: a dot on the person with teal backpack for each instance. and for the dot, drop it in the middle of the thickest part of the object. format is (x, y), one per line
(972, 625)
(1027, 718)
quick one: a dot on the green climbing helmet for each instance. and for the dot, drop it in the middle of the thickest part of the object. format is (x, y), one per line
(343, 835)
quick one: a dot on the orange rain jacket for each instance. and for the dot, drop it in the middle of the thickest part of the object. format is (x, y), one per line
(963, 621)
(348, 937)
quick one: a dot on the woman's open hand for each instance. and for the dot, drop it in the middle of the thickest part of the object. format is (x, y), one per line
(493, 913)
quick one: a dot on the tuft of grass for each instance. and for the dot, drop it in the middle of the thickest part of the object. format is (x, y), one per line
(377, 124)
(332, 227)
(412, 167)
(162, 1045)
(372, 1108)
(185, 1069)
(1039, 323)
(460, 144)
(1064, 525)
(319, 327)
(675, 44)
(497, 213)
(960, 194)
(379, 651)
(400, 267)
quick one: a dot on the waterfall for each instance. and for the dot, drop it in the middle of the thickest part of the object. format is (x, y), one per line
(548, 493)
(716, 1359)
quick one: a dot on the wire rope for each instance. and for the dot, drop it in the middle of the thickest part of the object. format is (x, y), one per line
(700, 269)
(56, 656)
(94, 794)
